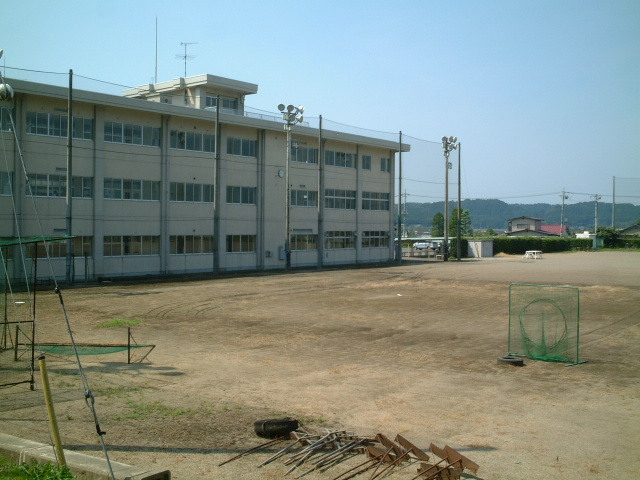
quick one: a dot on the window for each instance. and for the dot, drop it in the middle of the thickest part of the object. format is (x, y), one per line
(127, 189)
(82, 187)
(131, 134)
(6, 183)
(186, 244)
(193, 141)
(55, 125)
(117, 245)
(304, 154)
(44, 185)
(241, 146)
(342, 199)
(385, 165)
(375, 201)
(304, 241)
(5, 119)
(241, 195)
(366, 162)
(304, 198)
(375, 239)
(58, 249)
(340, 239)
(227, 103)
(190, 192)
(241, 243)
(339, 159)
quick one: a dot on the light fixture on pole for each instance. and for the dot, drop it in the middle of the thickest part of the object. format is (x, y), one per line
(448, 144)
(292, 116)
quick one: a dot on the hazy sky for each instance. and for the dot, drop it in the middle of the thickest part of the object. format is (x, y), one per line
(543, 95)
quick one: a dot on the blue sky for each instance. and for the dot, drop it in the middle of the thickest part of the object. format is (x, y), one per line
(543, 95)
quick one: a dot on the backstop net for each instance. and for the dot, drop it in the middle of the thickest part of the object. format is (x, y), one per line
(544, 322)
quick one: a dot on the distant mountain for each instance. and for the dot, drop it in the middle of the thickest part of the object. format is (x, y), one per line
(496, 213)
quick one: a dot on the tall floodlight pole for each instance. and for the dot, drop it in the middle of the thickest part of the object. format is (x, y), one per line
(564, 197)
(399, 244)
(596, 197)
(292, 116)
(448, 144)
(459, 233)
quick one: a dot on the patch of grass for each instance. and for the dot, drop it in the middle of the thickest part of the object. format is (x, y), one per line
(142, 411)
(120, 322)
(36, 471)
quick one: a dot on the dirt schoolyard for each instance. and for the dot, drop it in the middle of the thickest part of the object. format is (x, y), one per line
(408, 349)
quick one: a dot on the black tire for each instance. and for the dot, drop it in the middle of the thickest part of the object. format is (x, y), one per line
(511, 360)
(274, 428)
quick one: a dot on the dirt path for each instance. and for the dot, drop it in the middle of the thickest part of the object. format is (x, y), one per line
(409, 349)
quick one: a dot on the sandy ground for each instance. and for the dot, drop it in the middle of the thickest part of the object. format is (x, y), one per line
(408, 349)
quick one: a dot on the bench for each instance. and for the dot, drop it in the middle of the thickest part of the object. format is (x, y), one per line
(535, 254)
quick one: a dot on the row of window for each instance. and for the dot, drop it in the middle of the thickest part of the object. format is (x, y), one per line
(126, 189)
(51, 185)
(125, 245)
(227, 102)
(55, 125)
(194, 141)
(45, 185)
(241, 195)
(375, 201)
(190, 192)
(117, 132)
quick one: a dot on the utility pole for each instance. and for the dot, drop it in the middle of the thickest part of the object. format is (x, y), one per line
(69, 193)
(596, 197)
(564, 197)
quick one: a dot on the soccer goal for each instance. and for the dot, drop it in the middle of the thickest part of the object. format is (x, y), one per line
(544, 322)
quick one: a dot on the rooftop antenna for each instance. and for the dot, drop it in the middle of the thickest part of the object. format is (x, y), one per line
(186, 57)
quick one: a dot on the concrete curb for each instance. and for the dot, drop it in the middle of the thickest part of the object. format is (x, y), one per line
(83, 466)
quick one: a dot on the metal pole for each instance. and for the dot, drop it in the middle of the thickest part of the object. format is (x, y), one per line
(613, 206)
(445, 241)
(287, 251)
(69, 195)
(399, 245)
(595, 221)
(53, 424)
(459, 233)
(216, 193)
(320, 239)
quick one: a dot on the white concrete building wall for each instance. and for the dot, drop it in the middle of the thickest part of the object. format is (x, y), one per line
(99, 217)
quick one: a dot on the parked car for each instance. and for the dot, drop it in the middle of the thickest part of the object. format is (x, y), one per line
(425, 245)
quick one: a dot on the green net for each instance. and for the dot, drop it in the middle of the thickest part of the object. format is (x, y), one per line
(544, 322)
(85, 348)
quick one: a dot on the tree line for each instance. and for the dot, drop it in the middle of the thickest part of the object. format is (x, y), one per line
(494, 214)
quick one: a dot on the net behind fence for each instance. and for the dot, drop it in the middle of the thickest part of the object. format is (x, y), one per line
(544, 322)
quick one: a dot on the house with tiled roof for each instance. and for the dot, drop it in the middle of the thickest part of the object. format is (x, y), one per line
(559, 230)
(526, 227)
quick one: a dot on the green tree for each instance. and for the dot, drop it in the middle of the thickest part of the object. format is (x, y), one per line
(437, 228)
(465, 223)
(609, 236)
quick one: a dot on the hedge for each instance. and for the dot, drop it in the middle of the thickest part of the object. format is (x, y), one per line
(519, 245)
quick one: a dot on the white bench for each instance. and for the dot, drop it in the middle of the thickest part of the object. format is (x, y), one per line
(535, 254)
